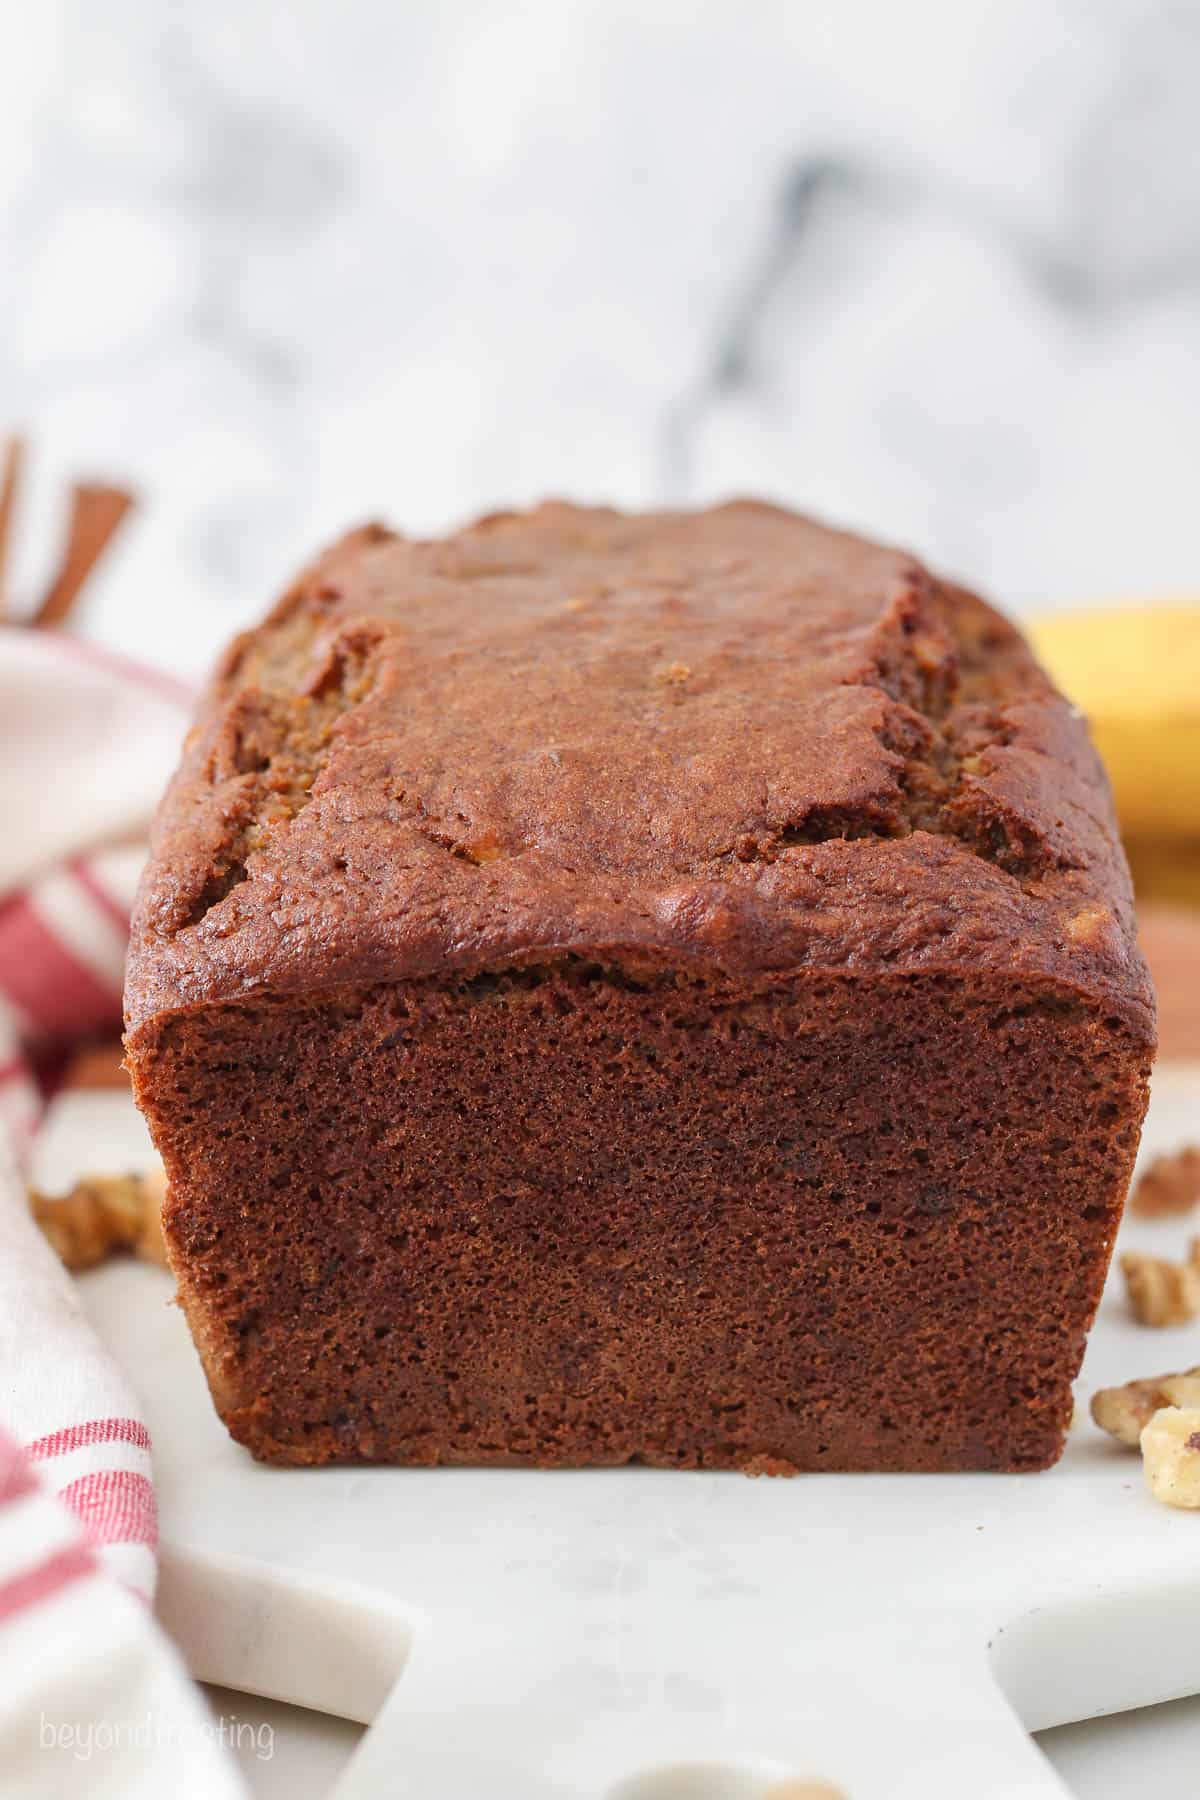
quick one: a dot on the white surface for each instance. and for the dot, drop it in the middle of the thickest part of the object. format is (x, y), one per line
(933, 269)
(572, 1631)
(1149, 1751)
(284, 1752)
(86, 1130)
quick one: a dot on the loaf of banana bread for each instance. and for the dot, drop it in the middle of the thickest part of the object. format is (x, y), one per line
(639, 989)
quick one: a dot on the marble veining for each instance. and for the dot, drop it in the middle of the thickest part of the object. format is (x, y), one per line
(932, 270)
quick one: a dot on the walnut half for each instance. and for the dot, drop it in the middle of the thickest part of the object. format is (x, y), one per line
(1163, 1292)
(1124, 1411)
(103, 1214)
(1171, 1184)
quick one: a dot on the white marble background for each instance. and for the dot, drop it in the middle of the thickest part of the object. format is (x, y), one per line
(932, 268)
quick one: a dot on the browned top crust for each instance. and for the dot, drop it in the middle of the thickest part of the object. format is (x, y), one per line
(729, 740)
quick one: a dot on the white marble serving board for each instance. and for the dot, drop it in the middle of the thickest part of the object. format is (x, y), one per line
(644, 1635)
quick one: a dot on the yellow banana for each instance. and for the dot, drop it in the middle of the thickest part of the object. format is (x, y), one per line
(1135, 672)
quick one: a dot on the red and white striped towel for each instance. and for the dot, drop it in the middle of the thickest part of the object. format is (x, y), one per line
(65, 1402)
(93, 1699)
(86, 741)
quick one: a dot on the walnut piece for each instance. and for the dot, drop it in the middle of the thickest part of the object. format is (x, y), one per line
(103, 1214)
(1163, 1292)
(1171, 1455)
(804, 1790)
(1088, 926)
(1171, 1184)
(1123, 1411)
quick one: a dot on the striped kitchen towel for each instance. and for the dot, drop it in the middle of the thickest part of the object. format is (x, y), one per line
(93, 1698)
(85, 741)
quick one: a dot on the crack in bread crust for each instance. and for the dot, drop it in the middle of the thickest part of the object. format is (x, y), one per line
(729, 735)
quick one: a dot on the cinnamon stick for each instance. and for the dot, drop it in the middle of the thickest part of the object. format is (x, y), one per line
(12, 459)
(96, 515)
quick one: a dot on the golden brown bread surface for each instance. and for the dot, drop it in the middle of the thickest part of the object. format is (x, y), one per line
(654, 988)
(729, 737)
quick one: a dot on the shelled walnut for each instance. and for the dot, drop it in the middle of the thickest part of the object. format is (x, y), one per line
(1124, 1411)
(1171, 1184)
(1162, 1292)
(103, 1214)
